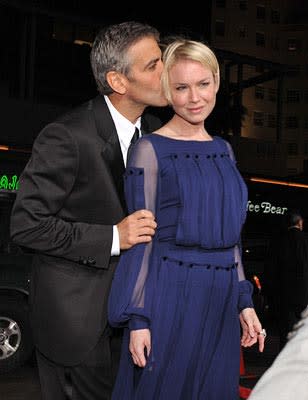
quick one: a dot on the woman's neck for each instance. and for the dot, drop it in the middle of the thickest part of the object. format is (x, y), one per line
(181, 129)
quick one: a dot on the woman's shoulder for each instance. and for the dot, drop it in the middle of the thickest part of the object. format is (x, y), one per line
(149, 140)
(144, 145)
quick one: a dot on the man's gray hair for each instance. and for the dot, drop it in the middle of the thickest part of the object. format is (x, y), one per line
(110, 50)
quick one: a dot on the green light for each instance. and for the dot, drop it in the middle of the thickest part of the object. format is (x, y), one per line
(9, 183)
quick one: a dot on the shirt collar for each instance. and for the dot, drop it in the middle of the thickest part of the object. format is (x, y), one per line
(125, 129)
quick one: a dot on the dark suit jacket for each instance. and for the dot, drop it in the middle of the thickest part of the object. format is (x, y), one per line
(287, 270)
(71, 193)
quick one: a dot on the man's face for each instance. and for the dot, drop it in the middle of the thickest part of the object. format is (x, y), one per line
(301, 224)
(144, 85)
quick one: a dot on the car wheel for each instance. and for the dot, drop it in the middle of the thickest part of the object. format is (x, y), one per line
(16, 345)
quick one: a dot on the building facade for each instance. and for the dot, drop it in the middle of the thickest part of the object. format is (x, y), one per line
(273, 138)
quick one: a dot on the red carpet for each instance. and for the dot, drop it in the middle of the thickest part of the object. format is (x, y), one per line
(244, 392)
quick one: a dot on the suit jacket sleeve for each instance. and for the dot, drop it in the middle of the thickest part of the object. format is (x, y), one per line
(37, 220)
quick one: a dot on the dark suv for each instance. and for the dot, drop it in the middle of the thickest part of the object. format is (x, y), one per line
(15, 334)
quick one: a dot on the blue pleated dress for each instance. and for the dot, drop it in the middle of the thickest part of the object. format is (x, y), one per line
(187, 286)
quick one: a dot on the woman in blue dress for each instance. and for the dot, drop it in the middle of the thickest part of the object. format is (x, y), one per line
(182, 298)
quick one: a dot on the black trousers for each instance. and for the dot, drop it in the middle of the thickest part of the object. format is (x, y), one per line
(93, 379)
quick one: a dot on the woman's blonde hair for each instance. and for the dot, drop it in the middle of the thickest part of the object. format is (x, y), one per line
(186, 49)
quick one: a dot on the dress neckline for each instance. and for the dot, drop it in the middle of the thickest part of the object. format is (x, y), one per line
(184, 140)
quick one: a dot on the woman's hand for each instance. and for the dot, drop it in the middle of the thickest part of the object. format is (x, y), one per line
(252, 331)
(140, 346)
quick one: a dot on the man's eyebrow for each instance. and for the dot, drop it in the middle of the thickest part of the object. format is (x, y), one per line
(151, 62)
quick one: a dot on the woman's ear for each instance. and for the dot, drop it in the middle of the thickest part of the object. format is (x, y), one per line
(117, 81)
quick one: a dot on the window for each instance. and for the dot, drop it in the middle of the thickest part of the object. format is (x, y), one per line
(292, 171)
(260, 39)
(294, 45)
(293, 70)
(275, 16)
(293, 96)
(271, 121)
(220, 27)
(272, 94)
(258, 118)
(259, 92)
(271, 150)
(261, 149)
(260, 12)
(275, 43)
(242, 5)
(292, 122)
(292, 149)
(242, 31)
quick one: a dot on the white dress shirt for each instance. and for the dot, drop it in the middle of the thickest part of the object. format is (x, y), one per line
(125, 130)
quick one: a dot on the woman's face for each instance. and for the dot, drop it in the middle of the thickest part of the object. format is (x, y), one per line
(193, 90)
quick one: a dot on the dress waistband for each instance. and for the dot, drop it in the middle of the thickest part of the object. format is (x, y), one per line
(224, 258)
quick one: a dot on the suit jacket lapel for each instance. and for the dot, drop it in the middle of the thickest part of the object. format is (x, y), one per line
(111, 150)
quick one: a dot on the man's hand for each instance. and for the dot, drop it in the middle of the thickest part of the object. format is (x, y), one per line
(138, 227)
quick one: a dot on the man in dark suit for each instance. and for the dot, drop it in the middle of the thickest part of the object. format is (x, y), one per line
(287, 274)
(70, 210)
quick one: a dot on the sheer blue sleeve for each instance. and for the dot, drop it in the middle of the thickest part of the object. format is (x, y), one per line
(245, 286)
(132, 287)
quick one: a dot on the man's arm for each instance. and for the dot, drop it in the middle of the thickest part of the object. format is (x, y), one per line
(44, 187)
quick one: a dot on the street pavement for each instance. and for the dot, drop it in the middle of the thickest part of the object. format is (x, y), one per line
(23, 384)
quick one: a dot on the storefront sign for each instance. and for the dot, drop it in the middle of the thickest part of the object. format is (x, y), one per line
(9, 182)
(265, 207)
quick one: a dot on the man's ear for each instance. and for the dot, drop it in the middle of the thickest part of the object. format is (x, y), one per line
(117, 81)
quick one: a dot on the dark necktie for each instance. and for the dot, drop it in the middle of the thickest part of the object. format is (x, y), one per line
(132, 142)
